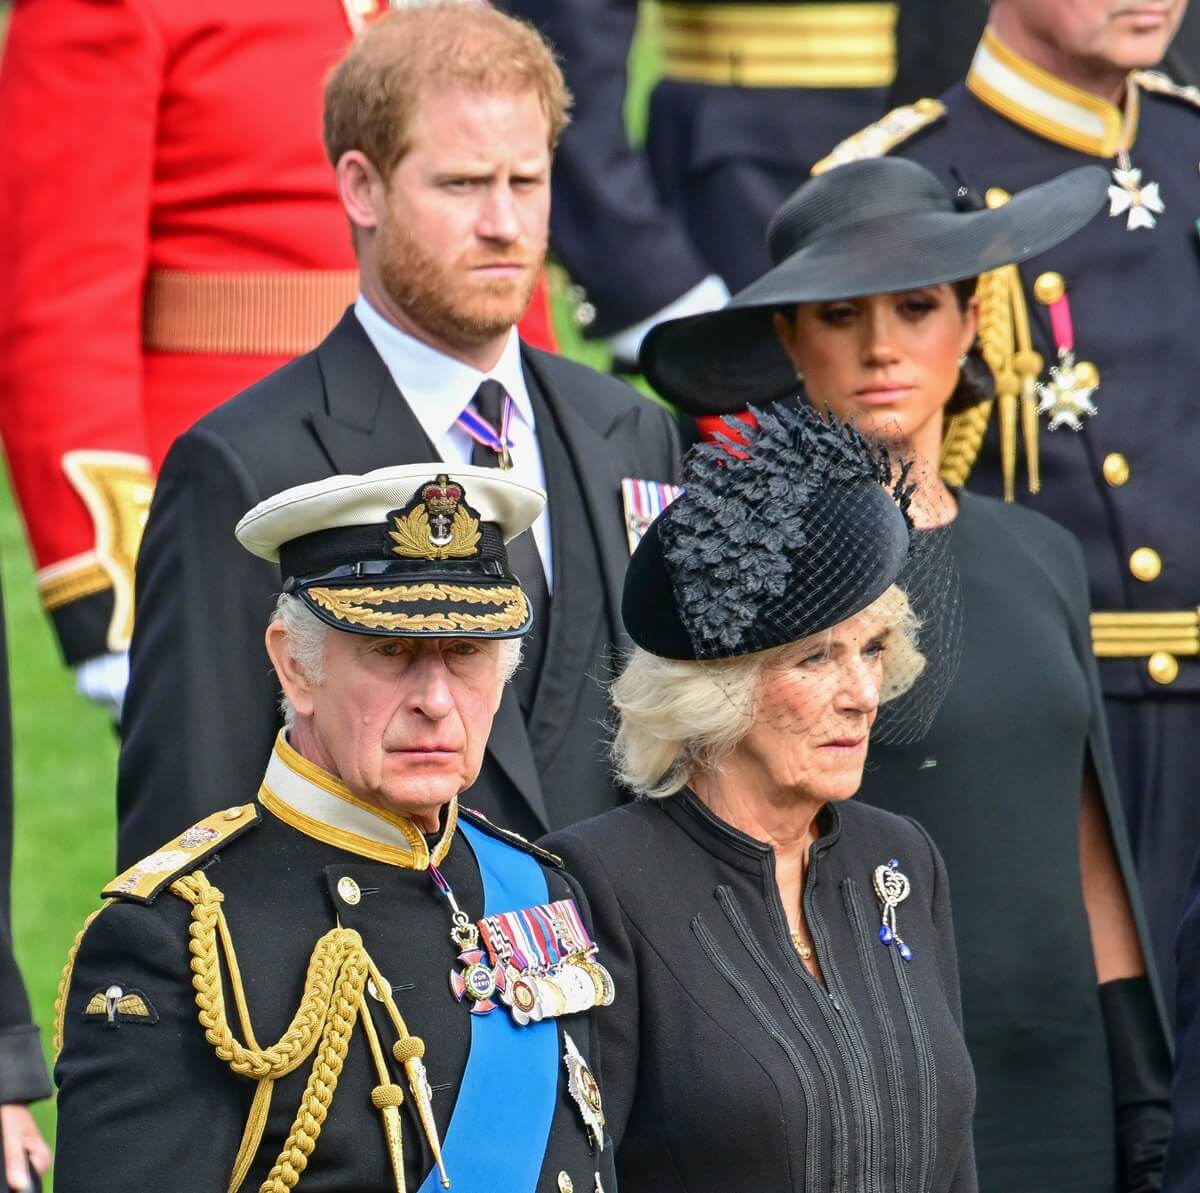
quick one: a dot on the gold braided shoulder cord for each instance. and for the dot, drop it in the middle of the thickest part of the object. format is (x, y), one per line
(962, 442)
(324, 1022)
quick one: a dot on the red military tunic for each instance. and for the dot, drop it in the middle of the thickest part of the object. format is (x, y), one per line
(170, 233)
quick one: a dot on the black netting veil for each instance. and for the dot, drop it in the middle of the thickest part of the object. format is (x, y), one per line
(786, 533)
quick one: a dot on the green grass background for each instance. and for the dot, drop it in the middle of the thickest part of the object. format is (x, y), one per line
(65, 749)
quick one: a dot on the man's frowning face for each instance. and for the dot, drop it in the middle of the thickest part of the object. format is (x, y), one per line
(402, 722)
(464, 232)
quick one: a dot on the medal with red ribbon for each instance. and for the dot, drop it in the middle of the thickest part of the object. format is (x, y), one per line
(1066, 398)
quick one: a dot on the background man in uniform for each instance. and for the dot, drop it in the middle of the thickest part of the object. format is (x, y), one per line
(23, 1076)
(751, 96)
(347, 891)
(1096, 356)
(169, 234)
(441, 124)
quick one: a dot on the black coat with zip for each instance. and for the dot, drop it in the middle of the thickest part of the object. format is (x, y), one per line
(729, 1066)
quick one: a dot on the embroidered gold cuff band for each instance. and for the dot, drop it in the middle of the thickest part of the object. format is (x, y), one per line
(774, 45)
(243, 314)
(1138, 635)
(60, 587)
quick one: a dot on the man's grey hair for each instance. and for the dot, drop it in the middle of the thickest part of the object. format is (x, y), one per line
(306, 643)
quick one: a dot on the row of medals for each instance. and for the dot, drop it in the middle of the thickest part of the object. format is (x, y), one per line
(578, 983)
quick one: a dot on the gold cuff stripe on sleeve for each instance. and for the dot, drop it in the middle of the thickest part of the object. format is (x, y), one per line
(74, 585)
(1137, 635)
(767, 45)
(359, 606)
(244, 314)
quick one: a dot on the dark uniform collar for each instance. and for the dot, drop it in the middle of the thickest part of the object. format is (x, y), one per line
(313, 802)
(1034, 99)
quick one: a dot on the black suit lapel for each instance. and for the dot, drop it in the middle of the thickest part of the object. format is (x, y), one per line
(367, 424)
(598, 481)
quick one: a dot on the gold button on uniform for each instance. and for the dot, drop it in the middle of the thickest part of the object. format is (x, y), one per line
(1163, 667)
(235, 813)
(1116, 469)
(996, 196)
(347, 888)
(1145, 564)
(565, 1184)
(1049, 288)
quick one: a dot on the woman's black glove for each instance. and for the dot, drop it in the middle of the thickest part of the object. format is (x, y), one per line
(1140, 1064)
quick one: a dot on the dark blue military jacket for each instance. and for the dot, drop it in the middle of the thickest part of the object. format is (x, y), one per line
(1126, 482)
(159, 1071)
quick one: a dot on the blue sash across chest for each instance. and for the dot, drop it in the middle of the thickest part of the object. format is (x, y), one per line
(501, 1121)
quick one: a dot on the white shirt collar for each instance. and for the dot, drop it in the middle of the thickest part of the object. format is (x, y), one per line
(437, 387)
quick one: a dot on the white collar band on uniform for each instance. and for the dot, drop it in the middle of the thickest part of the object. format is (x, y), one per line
(1045, 105)
(312, 801)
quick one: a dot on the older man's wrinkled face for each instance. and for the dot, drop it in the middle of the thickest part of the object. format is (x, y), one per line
(403, 722)
(1124, 34)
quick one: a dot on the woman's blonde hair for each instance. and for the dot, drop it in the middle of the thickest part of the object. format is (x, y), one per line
(676, 716)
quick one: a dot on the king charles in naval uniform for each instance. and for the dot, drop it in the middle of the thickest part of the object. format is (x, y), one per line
(350, 977)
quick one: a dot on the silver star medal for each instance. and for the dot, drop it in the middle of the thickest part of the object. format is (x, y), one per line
(1142, 203)
(582, 1087)
(1067, 396)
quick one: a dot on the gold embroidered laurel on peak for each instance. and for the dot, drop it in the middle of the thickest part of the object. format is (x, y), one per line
(414, 538)
(360, 606)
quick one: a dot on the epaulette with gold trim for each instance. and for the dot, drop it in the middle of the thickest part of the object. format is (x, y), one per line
(480, 821)
(1160, 84)
(884, 135)
(143, 882)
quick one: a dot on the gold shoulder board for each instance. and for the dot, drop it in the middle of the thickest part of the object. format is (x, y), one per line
(1160, 84)
(480, 821)
(884, 135)
(142, 882)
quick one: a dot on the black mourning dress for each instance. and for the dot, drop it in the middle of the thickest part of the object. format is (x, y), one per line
(726, 1066)
(997, 784)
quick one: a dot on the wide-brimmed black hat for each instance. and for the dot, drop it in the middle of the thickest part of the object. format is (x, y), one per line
(879, 226)
(416, 550)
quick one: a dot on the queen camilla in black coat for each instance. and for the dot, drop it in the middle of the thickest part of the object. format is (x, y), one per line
(789, 1015)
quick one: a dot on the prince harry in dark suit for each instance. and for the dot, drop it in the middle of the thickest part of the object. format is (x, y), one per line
(440, 123)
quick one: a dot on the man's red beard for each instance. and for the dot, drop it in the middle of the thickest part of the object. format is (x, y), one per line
(446, 300)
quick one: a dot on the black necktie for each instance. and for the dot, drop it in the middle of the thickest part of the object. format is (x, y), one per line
(523, 554)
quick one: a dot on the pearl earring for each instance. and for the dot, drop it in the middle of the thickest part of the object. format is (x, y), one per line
(962, 361)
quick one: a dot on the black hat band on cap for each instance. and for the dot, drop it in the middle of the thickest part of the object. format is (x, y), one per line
(348, 550)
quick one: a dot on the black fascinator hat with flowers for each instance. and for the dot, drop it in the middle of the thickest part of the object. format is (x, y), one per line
(783, 530)
(792, 527)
